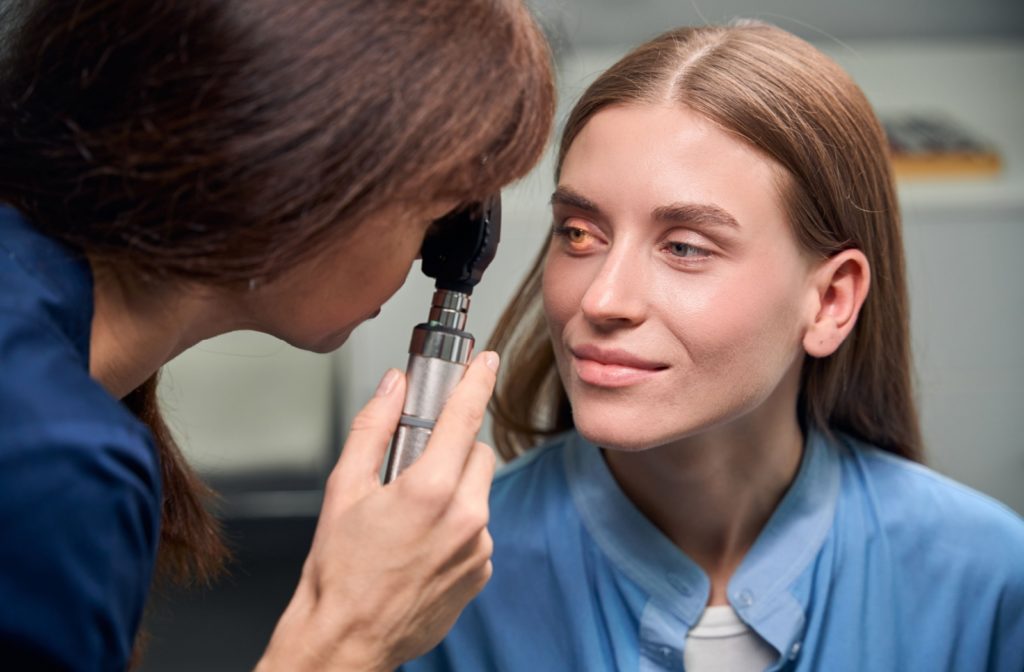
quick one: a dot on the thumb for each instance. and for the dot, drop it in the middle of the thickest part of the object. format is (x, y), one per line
(370, 434)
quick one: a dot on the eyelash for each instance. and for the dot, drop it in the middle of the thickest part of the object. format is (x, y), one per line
(691, 253)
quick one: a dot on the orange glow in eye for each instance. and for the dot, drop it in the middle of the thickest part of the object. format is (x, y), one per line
(574, 239)
(578, 238)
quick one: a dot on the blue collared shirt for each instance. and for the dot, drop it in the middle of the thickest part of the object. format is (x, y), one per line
(870, 562)
(79, 479)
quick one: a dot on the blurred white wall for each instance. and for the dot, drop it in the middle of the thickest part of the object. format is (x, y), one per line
(247, 403)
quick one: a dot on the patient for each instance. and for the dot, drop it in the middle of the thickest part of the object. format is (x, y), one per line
(714, 345)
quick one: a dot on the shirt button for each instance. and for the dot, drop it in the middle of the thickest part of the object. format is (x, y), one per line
(794, 651)
(745, 598)
(670, 658)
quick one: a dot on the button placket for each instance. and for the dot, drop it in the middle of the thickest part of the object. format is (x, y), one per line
(661, 637)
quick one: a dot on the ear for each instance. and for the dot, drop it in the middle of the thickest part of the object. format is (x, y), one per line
(841, 284)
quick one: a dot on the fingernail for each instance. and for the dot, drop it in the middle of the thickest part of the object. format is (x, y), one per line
(387, 383)
(491, 360)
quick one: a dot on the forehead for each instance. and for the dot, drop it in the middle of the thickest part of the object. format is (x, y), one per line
(648, 156)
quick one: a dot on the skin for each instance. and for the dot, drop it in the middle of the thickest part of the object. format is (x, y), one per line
(136, 329)
(681, 308)
(371, 596)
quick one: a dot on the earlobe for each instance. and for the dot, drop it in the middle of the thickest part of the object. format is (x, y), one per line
(841, 284)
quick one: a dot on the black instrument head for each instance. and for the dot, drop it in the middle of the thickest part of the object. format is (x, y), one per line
(460, 245)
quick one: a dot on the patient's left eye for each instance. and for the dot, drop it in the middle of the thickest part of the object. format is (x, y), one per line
(685, 250)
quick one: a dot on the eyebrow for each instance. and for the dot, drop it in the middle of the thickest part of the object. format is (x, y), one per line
(702, 214)
(567, 197)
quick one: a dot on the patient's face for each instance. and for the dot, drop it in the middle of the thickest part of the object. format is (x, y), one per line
(674, 288)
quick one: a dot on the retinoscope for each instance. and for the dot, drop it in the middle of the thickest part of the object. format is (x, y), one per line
(456, 250)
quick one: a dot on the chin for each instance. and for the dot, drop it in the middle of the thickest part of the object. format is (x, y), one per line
(322, 345)
(620, 430)
(331, 343)
(612, 441)
(631, 428)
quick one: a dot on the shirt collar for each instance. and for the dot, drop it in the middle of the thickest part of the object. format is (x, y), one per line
(761, 589)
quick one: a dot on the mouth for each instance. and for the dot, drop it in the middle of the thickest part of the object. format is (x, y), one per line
(610, 367)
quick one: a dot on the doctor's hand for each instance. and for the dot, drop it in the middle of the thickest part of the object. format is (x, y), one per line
(391, 567)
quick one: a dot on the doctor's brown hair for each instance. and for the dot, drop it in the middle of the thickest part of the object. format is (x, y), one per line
(796, 106)
(220, 141)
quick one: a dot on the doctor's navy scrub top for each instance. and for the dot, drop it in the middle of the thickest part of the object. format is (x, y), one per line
(79, 475)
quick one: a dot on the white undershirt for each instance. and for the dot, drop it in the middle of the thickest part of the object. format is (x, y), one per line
(721, 642)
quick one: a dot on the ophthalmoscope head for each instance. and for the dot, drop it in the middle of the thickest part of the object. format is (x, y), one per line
(460, 245)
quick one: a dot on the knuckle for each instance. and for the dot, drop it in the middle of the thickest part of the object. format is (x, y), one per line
(472, 518)
(430, 492)
(336, 483)
(332, 480)
(484, 575)
(487, 454)
(477, 520)
(486, 545)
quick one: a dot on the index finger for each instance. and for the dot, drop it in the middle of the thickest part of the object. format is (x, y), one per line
(454, 435)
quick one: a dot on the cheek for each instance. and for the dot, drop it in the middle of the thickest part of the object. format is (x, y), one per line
(747, 329)
(562, 289)
(384, 270)
(397, 272)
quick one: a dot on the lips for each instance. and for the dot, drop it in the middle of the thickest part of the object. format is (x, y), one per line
(612, 367)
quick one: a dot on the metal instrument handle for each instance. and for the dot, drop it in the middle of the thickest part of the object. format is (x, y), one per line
(438, 359)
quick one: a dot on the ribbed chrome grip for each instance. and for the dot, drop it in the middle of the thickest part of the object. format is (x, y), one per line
(439, 354)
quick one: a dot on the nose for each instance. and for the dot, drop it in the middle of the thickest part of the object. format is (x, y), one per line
(616, 296)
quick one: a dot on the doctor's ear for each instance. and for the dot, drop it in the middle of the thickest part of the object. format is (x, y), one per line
(840, 285)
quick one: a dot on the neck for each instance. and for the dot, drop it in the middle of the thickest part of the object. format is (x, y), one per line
(138, 327)
(713, 493)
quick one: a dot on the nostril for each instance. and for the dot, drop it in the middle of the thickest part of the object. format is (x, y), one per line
(612, 307)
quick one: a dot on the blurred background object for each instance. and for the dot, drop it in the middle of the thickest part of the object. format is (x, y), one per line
(933, 145)
(264, 422)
